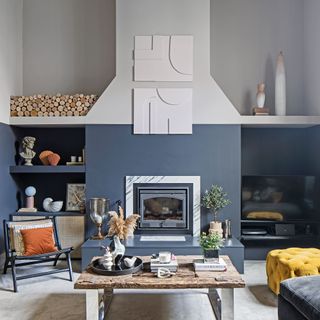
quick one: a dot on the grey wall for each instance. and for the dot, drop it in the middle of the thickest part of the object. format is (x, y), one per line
(10, 54)
(68, 46)
(311, 56)
(212, 152)
(246, 37)
(7, 186)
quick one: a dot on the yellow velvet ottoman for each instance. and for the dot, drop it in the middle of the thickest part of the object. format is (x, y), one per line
(290, 263)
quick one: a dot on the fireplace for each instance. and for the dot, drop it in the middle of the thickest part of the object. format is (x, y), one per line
(167, 205)
(164, 207)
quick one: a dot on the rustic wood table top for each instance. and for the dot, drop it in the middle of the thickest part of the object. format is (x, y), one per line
(185, 278)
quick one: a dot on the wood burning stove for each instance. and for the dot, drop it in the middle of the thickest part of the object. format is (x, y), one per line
(165, 208)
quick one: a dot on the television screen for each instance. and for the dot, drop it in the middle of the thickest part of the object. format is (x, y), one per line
(278, 198)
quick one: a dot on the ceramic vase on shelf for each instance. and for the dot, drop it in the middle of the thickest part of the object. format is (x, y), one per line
(280, 87)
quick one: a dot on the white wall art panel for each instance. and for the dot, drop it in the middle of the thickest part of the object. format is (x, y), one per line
(163, 58)
(163, 111)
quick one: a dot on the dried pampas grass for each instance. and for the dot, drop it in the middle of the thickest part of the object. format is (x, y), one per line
(118, 226)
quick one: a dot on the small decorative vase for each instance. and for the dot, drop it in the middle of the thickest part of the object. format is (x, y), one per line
(280, 89)
(210, 255)
(261, 96)
(107, 260)
(216, 226)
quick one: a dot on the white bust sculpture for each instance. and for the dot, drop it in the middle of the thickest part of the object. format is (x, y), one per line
(27, 153)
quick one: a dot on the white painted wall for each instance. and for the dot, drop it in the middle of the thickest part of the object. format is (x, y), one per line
(165, 17)
(10, 54)
(311, 57)
(68, 46)
(246, 37)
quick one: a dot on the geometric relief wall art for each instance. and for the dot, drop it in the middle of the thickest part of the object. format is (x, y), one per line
(162, 110)
(163, 58)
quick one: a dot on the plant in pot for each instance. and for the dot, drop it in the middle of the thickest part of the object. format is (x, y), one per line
(211, 244)
(215, 199)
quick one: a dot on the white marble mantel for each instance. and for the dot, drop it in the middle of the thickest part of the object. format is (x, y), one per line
(194, 180)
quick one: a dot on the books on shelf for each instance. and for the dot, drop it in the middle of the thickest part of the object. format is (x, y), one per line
(199, 265)
(261, 111)
(155, 265)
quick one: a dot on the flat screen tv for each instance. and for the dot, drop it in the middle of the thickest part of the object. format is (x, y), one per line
(279, 198)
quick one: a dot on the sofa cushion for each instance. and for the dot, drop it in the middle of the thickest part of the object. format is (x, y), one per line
(304, 294)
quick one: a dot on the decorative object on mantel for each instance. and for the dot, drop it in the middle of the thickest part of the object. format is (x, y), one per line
(227, 229)
(30, 192)
(44, 105)
(52, 206)
(260, 109)
(261, 96)
(211, 244)
(215, 199)
(98, 213)
(75, 196)
(27, 153)
(280, 88)
(118, 226)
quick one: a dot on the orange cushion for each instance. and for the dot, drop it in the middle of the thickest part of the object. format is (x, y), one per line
(38, 241)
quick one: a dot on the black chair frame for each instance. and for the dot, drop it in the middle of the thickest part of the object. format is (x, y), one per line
(12, 260)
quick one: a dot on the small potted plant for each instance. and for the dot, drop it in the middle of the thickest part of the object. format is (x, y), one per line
(215, 199)
(211, 244)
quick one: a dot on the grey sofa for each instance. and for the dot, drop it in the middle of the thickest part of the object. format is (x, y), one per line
(299, 299)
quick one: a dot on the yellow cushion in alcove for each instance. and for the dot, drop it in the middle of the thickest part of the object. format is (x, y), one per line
(290, 263)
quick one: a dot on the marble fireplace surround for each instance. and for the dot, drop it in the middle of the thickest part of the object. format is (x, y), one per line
(194, 180)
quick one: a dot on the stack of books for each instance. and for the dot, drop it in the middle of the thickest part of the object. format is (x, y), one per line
(261, 111)
(155, 264)
(200, 265)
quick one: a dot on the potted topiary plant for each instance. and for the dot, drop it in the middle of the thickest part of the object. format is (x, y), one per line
(211, 244)
(215, 199)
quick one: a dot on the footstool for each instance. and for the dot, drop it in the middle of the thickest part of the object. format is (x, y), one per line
(290, 263)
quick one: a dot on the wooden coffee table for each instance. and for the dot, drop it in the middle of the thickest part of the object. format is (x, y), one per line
(185, 278)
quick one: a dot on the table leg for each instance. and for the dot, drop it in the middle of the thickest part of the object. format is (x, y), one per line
(92, 304)
(223, 306)
(107, 298)
(227, 304)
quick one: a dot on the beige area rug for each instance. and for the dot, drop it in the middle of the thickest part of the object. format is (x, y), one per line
(53, 297)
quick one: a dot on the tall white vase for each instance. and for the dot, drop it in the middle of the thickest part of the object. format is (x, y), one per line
(280, 89)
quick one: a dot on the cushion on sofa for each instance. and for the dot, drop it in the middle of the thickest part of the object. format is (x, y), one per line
(304, 294)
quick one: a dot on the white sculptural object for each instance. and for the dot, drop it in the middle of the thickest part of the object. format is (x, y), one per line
(261, 96)
(27, 153)
(119, 250)
(52, 206)
(129, 262)
(280, 89)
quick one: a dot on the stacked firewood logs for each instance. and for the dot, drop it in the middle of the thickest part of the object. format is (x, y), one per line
(51, 106)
